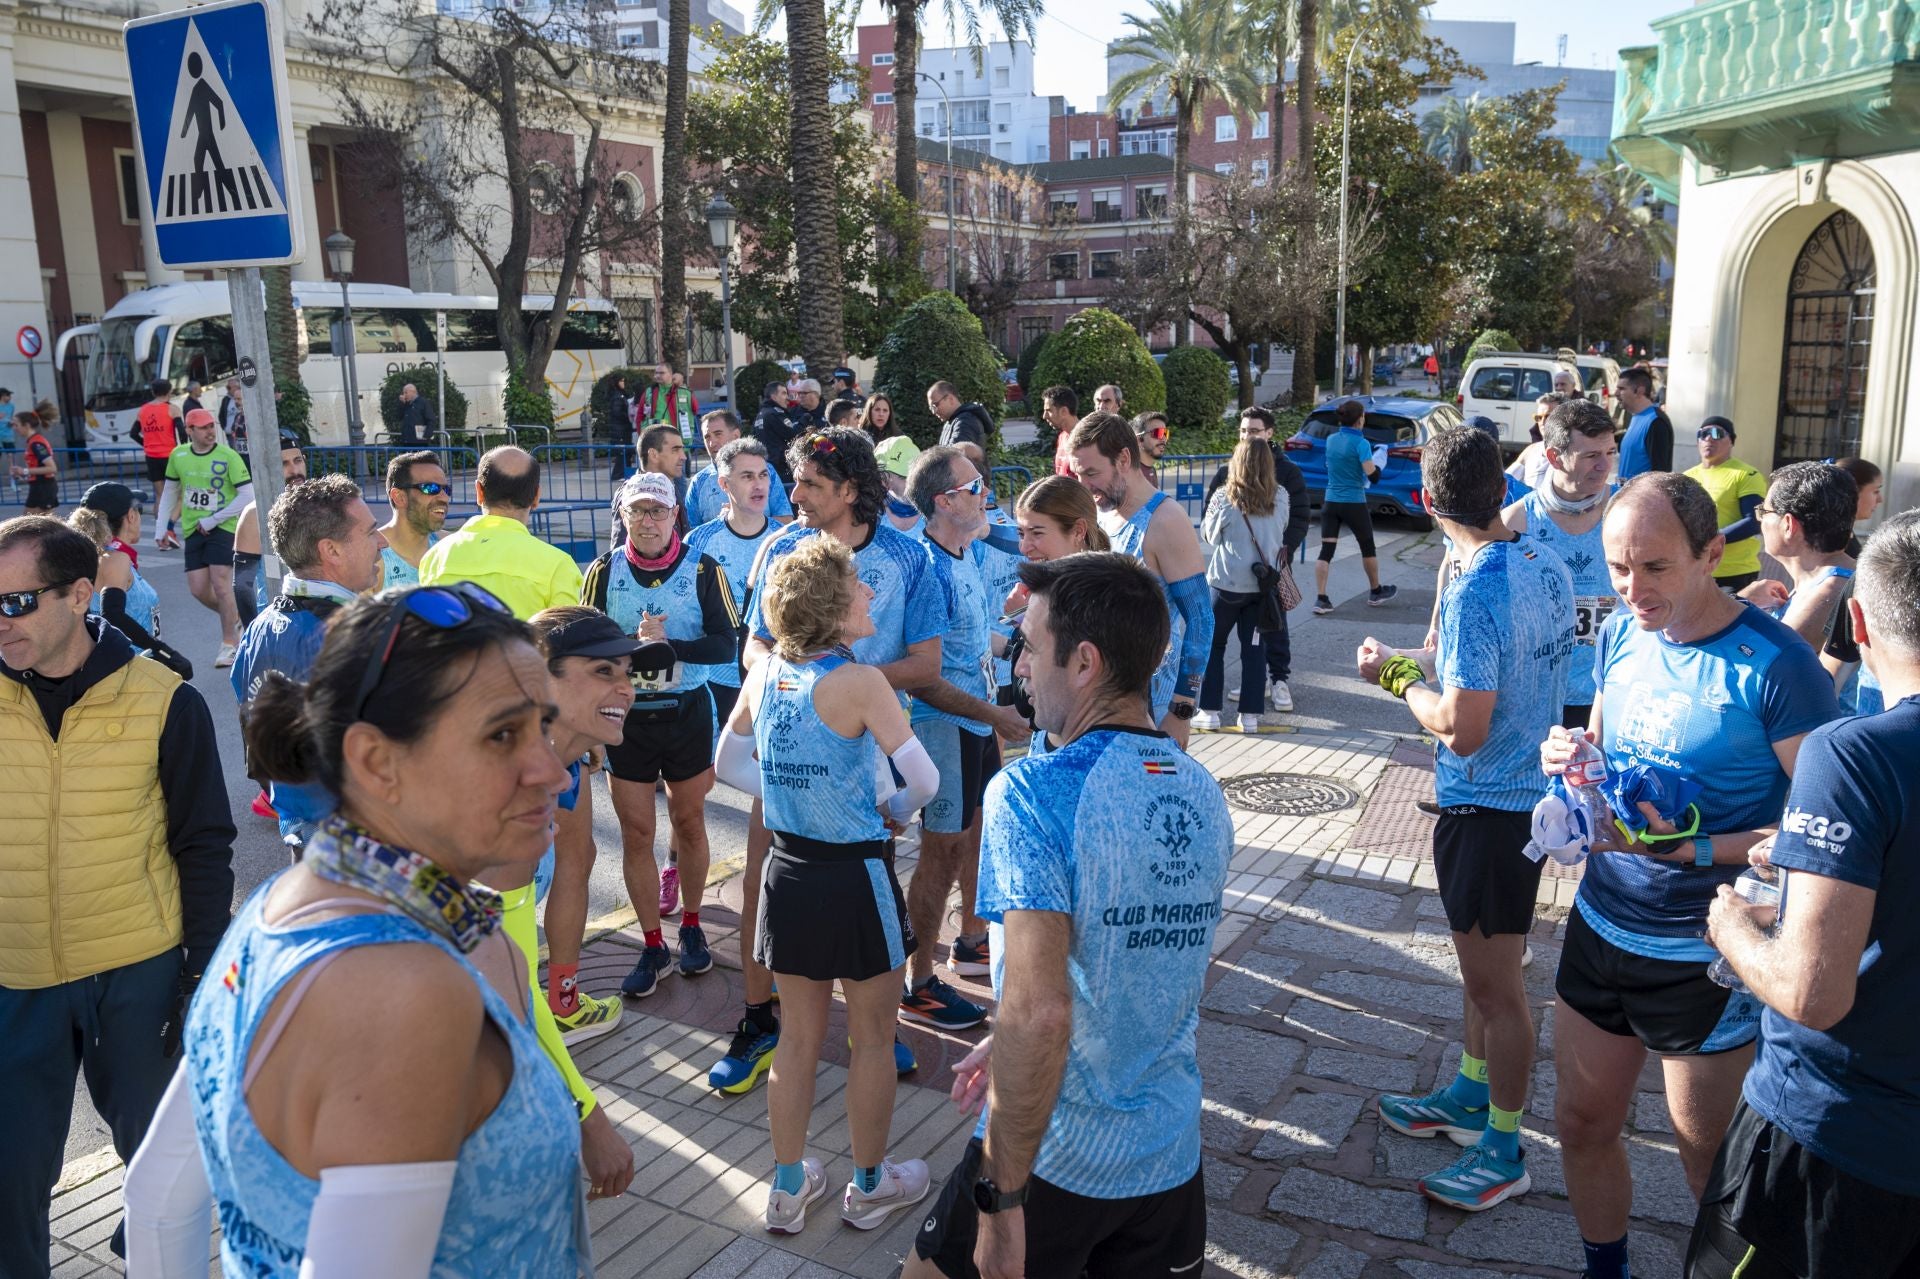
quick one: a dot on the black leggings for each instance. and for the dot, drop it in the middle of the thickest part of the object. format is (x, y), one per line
(1356, 517)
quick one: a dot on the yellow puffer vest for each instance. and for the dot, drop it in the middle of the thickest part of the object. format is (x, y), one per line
(87, 882)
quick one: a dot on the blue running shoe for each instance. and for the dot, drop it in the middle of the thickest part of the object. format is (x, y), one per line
(934, 1003)
(1433, 1114)
(1478, 1180)
(749, 1056)
(645, 977)
(695, 958)
(903, 1062)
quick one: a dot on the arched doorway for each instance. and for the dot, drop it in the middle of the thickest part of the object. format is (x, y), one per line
(1829, 335)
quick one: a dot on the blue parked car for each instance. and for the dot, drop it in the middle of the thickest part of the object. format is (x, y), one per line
(1403, 424)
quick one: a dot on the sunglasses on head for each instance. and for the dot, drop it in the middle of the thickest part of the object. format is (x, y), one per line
(432, 488)
(441, 607)
(21, 603)
(1711, 433)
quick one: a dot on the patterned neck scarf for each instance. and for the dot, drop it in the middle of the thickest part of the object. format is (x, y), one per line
(418, 887)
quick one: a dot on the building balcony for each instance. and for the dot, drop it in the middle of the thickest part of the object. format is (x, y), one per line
(1753, 86)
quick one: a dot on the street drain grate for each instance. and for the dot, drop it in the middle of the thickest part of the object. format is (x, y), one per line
(1289, 794)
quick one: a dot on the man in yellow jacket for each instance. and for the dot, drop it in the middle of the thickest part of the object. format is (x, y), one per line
(496, 548)
(116, 875)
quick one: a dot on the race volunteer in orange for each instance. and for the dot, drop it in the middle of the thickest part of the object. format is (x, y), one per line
(157, 441)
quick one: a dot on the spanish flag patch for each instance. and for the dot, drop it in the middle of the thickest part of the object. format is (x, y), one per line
(232, 980)
(1160, 766)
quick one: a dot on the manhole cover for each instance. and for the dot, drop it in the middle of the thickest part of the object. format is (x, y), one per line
(1289, 794)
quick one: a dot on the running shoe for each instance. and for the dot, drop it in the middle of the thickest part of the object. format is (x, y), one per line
(591, 1018)
(1279, 696)
(1526, 956)
(263, 807)
(695, 958)
(749, 1056)
(224, 658)
(1380, 595)
(1249, 723)
(901, 1185)
(645, 977)
(934, 1003)
(1433, 1114)
(903, 1062)
(787, 1214)
(1478, 1180)
(1206, 721)
(1322, 605)
(970, 959)
(669, 890)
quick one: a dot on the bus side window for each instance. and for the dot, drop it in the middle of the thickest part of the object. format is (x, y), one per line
(202, 352)
(472, 331)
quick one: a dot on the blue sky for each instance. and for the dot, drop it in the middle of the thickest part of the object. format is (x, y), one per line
(1073, 35)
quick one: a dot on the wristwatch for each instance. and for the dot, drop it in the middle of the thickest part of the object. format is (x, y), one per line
(989, 1198)
(1183, 710)
(1702, 851)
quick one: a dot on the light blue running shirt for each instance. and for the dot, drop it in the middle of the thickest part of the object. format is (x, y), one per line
(1125, 833)
(813, 781)
(1593, 597)
(1710, 710)
(1001, 573)
(734, 554)
(908, 605)
(965, 655)
(395, 571)
(1129, 537)
(705, 498)
(678, 595)
(1506, 626)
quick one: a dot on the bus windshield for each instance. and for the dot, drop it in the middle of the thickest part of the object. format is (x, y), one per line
(114, 381)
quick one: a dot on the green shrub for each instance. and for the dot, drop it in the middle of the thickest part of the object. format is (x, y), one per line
(1490, 340)
(638, 379)
(750, 383)
(1096, 347)
(938, 339)
(1199, 387)
(426, 379)
(1023, 371)
(294, 411)
(526, 405)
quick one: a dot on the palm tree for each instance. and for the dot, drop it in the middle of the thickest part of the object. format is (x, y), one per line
(673, 193)
(1191, 52)
(1306, 386)
(1447, 132)
(816, 234)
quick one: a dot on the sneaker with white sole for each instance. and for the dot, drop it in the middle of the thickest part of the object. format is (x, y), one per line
(901, 1185)
(590, 1019)
(1206, 721)
(1478, 1180)
(1249, 723)
(787, 1214)
(1433, 1115)
(224, 658)
(1279, 696)
(970, 958)
(1381, 594)
(1322, 606)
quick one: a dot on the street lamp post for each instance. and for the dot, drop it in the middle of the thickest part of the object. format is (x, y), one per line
(339, 247)
(720, 225)
(951, 278)
(1340, 305)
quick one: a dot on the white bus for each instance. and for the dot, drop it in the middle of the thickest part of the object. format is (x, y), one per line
(185, 332)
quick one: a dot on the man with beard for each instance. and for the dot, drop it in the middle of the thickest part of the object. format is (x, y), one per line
(418, 491)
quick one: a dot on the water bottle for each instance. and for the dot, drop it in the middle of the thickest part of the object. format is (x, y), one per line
(1586, 774)
(1755, 886)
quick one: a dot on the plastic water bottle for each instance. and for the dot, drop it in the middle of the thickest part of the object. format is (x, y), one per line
(1586, 774)
(1753, 886)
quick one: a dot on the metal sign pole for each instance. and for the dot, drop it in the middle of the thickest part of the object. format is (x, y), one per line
(248, 298)
(440, 372)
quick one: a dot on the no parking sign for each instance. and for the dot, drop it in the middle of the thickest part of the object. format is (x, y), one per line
(29, 341)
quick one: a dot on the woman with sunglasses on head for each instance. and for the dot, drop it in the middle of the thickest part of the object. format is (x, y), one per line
(363, 1093)
(876, 418)
(109, 515)
(812, 737)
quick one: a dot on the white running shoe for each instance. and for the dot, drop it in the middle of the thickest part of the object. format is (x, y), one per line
(1279, 696)
(901, 1185)
(1206, 721)
(787, 1214)
(225, 657)
(1249, 723)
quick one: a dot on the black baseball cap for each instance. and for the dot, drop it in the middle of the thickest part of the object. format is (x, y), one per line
(595, 636)
(843, 373)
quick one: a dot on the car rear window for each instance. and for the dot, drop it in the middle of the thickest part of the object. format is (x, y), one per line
(1510, 384)
(1380, 428)
(1592, 377)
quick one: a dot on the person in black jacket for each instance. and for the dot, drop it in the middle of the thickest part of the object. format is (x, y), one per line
(773, 427)
(619, 426)
(967, 423)
(1256, 423)
(416, 418)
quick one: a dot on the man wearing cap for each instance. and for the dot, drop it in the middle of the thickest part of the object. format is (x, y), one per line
(249, 578)
(846, 387)
(210, 486)
(1737, 491)
(773, 427)
(657, 588)
(706, 497)
(896, 455)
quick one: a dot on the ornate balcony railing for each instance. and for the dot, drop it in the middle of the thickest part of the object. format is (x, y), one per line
(1753, 85)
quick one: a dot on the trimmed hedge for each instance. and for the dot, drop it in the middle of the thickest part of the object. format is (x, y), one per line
(750, 383)
(1023, 371)
(426, 379)
(1199, 387)
(1490, 340)
(938, 339)
(1096, 347)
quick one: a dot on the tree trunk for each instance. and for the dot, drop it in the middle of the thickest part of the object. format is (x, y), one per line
(1306, 388)
(815, 231)
(906, 135)
(1182, 142)
(1365, 371)
(1278, 118)
(673, 195)
(1243, 361)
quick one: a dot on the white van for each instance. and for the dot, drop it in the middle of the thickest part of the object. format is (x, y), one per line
(1503, 385)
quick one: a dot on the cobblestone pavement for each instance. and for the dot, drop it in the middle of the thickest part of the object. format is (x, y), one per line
(1333, 980)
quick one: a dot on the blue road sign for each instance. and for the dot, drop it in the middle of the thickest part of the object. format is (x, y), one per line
(215, 136)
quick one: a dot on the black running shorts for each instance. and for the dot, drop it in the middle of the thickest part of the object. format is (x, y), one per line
(1355, 516)
(1158, 1236)
(1486, 882)
(667, 737)
(208, 548)
(1671, 1006)
(831, 911)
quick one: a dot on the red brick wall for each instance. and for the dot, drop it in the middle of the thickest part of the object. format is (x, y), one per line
(372, 215)
(118, 244)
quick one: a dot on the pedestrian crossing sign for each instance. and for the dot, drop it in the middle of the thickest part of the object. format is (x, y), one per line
(215, 135)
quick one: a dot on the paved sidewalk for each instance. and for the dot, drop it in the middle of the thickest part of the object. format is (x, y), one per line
(1333, 980)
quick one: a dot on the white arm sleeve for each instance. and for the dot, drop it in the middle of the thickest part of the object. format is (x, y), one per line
(735, 764)
(922, 778)
(169, 1204)
(242, 498)
(377, 1219)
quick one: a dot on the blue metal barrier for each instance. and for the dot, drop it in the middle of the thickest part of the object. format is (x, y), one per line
(1184, 479)
(81, 469)
(1009, 482)
(582, 530)
(367, 467)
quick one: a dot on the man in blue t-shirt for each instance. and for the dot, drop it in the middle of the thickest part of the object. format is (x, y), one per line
(1701, 687)
(1350, 469)
(1648, 442)
(1101, 870)
(1498, 681)
(1817, 1175)
(705, 493)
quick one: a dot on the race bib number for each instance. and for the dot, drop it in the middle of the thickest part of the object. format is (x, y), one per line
(202, 500)
(1590, 613)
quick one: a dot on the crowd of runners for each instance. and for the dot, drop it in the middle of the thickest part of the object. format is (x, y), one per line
(853, 632)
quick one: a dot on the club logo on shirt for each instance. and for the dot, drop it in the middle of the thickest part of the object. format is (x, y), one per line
(1818, 830)
(1172, 823)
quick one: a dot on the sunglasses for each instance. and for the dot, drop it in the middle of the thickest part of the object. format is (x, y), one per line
(1154, 433)
(21, 603)
(1711, 433)
(431, 488)
(441, 607)
(972, 486)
